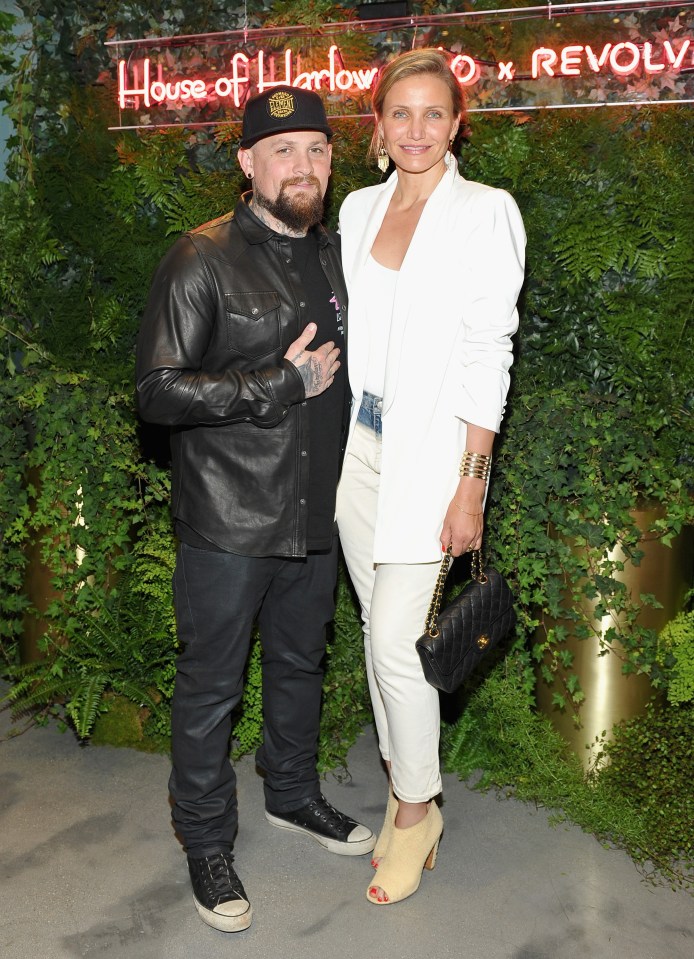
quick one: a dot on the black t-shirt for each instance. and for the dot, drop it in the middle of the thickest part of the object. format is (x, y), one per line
(327, 411)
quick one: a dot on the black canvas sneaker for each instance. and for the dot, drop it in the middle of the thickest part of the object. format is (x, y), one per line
(218, 893)
(332, 829)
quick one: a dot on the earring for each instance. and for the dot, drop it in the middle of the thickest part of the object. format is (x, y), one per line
(249, 176)
(382, 158)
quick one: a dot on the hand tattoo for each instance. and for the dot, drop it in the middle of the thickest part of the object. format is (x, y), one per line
(311, 374)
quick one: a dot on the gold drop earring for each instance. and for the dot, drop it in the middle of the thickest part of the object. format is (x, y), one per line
(382, 158)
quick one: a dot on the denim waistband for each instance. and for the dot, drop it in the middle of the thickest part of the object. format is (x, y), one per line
(370, 412)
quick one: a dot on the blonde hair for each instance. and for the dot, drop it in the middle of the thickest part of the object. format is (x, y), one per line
(411, 64)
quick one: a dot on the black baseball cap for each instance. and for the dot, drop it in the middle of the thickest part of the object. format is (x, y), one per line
(280, 110)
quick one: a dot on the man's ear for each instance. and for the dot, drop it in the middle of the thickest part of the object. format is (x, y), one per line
(245, 159)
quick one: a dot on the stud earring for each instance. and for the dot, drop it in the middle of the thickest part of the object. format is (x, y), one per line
(382, 158)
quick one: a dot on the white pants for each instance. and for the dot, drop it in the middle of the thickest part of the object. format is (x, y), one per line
(394, 601)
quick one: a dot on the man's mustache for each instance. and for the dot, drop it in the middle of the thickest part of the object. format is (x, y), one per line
(298, 180)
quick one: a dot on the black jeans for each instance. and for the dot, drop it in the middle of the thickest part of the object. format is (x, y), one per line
(218, 597)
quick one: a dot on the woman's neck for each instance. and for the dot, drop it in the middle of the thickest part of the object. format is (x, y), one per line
(416, 188)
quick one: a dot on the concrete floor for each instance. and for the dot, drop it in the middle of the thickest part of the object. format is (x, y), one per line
(90, 867)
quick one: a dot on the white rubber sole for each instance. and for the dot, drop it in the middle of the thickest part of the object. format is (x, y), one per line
(357, 848)
(225, 923)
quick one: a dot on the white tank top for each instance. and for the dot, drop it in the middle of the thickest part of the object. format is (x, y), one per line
(381, 284)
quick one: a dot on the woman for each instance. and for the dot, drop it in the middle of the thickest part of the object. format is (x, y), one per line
(434, 265)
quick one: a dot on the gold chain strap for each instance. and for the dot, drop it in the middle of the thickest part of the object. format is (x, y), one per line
(430, 625)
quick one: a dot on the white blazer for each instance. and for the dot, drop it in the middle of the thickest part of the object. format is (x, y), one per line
(449, 351)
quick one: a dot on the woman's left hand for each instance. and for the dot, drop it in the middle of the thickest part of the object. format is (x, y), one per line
(463, 526)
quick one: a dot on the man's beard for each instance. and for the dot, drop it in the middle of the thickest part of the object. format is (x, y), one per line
(300, 212)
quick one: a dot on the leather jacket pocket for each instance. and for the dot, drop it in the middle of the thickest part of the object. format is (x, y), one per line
(253, 323)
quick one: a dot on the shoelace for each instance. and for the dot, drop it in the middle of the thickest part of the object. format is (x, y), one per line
(220, 878)
(329, 814)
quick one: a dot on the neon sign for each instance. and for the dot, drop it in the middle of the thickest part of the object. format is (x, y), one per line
(643, 55)
(237, 83)
(622, 59)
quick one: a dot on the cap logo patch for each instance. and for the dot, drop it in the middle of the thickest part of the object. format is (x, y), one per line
(281, 105)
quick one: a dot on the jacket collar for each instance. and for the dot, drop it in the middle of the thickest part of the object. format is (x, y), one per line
(255, 231)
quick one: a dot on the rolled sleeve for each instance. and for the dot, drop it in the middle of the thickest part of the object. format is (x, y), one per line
(494, 271)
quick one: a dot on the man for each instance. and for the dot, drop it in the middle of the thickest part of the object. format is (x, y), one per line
(258, 422)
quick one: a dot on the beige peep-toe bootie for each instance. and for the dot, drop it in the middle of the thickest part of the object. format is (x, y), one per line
(386, 830)
(410, 851)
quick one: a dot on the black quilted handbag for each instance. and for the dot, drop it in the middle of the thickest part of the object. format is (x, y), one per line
(477, 620)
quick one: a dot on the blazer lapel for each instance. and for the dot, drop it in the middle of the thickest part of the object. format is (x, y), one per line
(417, 278)
(359, 333)
(373, 223)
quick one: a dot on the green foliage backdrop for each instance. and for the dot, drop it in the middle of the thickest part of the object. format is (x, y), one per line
(599, 415)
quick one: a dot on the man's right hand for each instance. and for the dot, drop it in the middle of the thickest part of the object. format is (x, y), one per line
(317, 368)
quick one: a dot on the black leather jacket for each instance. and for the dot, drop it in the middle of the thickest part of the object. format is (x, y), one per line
(225, 304)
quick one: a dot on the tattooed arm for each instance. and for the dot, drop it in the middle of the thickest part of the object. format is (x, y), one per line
(316, 368)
